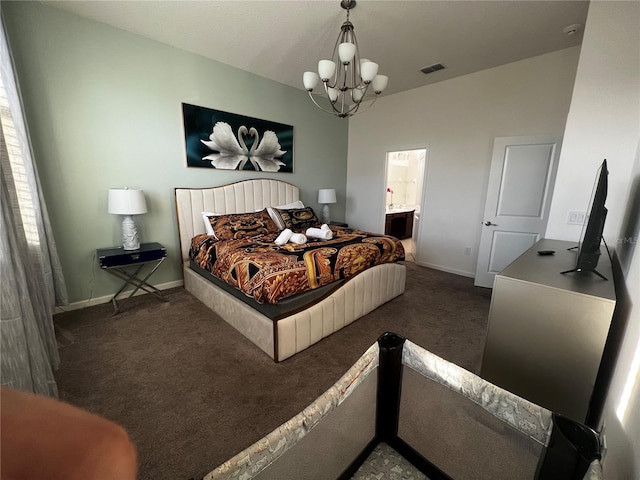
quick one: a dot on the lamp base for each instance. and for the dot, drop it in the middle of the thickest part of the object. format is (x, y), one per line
(129, 234)
(325, 214)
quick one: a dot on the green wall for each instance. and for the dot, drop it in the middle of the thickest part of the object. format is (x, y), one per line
(104, 111)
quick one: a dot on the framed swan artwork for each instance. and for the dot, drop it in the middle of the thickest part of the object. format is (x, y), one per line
(227, 141)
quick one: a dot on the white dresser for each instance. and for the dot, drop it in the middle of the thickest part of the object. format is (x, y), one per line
(547, 330)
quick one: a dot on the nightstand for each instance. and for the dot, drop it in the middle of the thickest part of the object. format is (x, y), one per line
(128, 265)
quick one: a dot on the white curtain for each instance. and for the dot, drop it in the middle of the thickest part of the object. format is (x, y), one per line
(32, 281)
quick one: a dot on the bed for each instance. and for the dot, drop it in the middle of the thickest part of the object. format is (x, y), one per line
(293, 324)
(383, 419)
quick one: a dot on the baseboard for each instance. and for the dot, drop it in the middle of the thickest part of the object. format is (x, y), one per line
(446, 269)
(179, 283)
(100, 300)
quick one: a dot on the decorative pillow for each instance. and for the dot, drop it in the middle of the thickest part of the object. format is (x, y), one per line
(207, 225)
(239, 225)
(298, 218)
(275, 216)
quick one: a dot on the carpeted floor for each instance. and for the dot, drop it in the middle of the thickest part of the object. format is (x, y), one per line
(193, 392)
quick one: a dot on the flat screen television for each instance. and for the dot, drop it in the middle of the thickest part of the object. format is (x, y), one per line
(591, 235)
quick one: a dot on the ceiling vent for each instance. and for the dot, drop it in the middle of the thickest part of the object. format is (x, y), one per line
(432, 68)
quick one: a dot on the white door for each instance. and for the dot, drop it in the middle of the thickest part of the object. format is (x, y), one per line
(523, 171)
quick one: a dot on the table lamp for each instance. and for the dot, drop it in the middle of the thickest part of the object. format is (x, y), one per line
(127, 202)
(325, 197)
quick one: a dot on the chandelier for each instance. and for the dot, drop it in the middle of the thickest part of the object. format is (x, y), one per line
(349, 81)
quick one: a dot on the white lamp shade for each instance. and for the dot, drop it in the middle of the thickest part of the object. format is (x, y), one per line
(333, 93)
(357, 95)
(380, 83)
(326, 69)
(310, 80)
(124, 201)
(368, 71)
(326, 195)
(346, 52)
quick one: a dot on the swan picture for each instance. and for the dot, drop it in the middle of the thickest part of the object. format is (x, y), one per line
(228, 141)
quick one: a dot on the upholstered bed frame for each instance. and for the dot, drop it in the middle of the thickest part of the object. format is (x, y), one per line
(282, 338)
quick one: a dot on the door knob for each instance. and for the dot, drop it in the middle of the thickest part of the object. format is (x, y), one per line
(489, 224)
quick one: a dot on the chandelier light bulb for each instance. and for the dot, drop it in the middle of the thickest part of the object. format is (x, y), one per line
(326, 69)
(368, 71)
(310, 80)
(380, 83)
(346, 52)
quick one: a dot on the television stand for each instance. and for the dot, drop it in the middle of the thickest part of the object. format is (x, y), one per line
(594, 271)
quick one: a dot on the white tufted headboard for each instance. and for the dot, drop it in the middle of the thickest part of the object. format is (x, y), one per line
(239, 197)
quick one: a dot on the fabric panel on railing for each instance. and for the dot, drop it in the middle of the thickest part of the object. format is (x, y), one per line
(529, 418)
(253, 460)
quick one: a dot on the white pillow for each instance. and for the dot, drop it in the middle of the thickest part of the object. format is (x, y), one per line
(296, 204)
(207, 225)
(275, 216)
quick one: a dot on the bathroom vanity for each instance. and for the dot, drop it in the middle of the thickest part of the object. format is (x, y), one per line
(399, 222)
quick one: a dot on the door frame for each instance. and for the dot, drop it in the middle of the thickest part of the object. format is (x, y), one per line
(423, 192)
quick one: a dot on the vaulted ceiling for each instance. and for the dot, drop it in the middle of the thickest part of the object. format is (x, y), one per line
(282, 39)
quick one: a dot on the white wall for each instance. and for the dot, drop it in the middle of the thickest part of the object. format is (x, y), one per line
(457, 120)
(604, 122)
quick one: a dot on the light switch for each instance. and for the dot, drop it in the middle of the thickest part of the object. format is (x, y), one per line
(575, 218)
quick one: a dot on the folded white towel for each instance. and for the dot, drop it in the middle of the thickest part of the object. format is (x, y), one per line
(298, 238)
(284, 237)
(324, 226)
(319, 233)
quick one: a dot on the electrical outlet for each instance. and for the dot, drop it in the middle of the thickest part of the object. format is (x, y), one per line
(575, 218)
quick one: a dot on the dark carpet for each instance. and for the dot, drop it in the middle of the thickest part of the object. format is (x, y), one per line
(192, 391)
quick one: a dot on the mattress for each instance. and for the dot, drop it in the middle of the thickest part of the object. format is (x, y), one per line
(274, 311)
(270, 273)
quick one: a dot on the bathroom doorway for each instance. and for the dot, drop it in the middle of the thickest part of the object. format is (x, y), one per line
(405, 175)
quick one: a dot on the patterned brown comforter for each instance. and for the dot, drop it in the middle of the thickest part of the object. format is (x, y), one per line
(263, 270)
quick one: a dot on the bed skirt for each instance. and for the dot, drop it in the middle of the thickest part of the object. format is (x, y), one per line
(283, 338)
